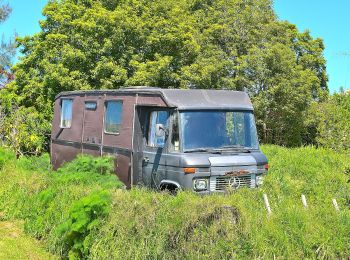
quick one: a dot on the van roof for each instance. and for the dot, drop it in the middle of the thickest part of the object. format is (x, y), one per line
(183, 99)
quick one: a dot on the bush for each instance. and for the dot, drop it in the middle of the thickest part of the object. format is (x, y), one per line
(84, 216)
(89, 164)
(331, 121)
(23, 129)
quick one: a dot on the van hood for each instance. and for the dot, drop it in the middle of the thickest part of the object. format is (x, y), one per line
(255, 158)
(232, 160)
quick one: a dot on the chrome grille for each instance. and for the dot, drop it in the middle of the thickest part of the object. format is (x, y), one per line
(222, 183)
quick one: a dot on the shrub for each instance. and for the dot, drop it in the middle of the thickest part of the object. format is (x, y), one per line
(331, 120)
(23, 129)
(84, 215)
(89, 164)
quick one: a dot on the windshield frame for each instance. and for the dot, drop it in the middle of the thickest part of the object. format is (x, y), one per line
(211, 149)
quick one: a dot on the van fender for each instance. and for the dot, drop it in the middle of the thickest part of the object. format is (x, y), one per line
(169, 182)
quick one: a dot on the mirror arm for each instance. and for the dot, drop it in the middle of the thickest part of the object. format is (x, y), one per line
(165, 129)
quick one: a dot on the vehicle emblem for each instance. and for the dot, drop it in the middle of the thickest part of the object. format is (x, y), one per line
(234, 183)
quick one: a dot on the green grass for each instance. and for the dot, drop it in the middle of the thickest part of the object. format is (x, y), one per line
(14, 244)
(81, 213)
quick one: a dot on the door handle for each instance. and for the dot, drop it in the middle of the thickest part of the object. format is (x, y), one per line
(146, 160)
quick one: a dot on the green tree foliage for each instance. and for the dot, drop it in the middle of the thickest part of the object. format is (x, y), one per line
(23, 129)
(330, 120)
(217, 44)
(284, 78)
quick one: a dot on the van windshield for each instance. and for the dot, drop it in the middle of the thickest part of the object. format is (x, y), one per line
(218, 130)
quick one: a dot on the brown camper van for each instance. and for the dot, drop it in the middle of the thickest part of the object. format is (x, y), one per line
(203, 140)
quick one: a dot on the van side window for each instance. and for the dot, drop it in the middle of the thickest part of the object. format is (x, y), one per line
(90, 105)
(66, 113)
(156, 136)
(113, 117)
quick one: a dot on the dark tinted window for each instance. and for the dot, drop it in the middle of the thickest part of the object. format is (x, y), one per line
(113, 116)
(90, 105)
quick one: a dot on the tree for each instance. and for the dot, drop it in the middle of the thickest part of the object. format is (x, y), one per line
(218, 44)
(7, 50)
(5, 11)
(283, 76)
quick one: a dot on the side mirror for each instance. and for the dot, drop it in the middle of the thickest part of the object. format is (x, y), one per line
(161, 130)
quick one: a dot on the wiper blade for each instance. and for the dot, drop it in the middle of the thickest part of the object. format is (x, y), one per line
(196, 150)
(209, 150)
(235, 147)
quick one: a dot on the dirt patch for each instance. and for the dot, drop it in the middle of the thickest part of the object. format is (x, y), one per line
(228, 213)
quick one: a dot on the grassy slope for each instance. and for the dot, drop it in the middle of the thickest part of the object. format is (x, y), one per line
(159, 226)
(143, 223)
(14, 244)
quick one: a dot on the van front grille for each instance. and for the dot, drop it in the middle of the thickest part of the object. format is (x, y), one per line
(222, 183)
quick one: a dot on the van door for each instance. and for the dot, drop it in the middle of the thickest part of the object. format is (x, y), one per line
(92, 130)
(150, 153)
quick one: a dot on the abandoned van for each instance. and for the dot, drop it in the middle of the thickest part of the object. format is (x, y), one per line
(202, 140)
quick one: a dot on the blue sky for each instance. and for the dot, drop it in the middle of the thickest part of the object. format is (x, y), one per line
(329, 20)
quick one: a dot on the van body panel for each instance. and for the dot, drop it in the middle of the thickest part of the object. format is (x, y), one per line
(63, 152)
(92, 125)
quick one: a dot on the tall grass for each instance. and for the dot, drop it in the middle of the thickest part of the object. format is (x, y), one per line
(60, 207)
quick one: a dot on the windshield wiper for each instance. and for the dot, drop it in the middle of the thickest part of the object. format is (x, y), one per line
(201, 150)
(235, 147)
(239, 148)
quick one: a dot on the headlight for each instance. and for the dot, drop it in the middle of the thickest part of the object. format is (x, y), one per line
(200, 184)
(259, 179)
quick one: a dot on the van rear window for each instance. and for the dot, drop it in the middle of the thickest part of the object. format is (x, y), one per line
(113, 117)
(66, 113)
